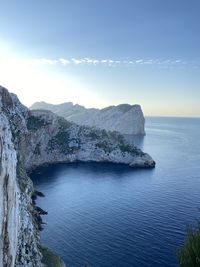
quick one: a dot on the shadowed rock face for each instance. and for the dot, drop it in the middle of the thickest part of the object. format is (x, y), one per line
(19, 238)
(124, 118)
(9, 204)
(32, 138)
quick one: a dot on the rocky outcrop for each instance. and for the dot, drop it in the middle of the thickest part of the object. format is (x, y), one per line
(124, 118)
(19, 238)
(19, 233)
(51, 139)
(9, 200)
(32, 138)
(42, 137)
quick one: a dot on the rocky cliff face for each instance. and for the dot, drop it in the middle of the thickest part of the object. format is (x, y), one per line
(19, 238)
(127, 119)
(32, 138)
(9, 202)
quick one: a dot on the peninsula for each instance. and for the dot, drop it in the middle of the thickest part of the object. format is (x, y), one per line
(32, 138)
(124, 118)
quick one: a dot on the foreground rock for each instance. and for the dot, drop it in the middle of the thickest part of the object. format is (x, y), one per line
(27, 140)
(126, 119)
(19, 238)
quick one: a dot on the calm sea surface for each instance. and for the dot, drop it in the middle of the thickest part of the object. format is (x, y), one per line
(107, 215)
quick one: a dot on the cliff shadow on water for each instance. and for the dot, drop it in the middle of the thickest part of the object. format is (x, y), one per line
(52, 172)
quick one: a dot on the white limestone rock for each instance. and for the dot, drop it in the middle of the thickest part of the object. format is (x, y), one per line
(19, 239)
(9, 197)
(125, 118)
(19, 235)
(52, 139)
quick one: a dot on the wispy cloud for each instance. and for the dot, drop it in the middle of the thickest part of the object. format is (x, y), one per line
(77, 61)
(139, 61)
(132, 62)
(64, 61)
(109, 62)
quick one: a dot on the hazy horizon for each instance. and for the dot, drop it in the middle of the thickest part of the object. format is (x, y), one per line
(103, 53)
(197, 117)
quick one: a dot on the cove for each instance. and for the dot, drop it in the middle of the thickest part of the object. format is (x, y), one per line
(112, 215)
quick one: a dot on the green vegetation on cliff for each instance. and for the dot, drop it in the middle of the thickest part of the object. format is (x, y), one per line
(189, 254)
(37, 150)
(35, 123)
(50, 259)
(22, 178)
(61, 141)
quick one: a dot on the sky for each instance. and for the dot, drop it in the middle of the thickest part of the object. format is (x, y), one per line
(103, 52)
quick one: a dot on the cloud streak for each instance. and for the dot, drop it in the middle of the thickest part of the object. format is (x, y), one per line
(86, 61)
(108, 62)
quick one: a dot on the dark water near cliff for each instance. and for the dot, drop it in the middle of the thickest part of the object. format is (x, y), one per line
(108, 215)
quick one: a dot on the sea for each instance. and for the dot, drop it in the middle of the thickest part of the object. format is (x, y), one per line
(109, 215)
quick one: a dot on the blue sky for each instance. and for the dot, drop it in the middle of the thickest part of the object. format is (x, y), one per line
(99, 53)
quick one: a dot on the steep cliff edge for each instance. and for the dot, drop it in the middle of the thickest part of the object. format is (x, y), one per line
(19, 238)
(9, 201)
(32, 138)
(126, 119)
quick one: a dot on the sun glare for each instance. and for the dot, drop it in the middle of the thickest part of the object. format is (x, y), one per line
(33, 81)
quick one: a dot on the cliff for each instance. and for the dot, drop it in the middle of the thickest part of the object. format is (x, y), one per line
(19, 238)
(32, 138)
(126, 119)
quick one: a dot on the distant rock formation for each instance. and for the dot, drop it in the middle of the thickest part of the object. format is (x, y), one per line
(32, 138)
(126, 119)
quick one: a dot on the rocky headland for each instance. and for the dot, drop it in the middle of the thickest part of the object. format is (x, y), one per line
(32, 138)
(126, 119)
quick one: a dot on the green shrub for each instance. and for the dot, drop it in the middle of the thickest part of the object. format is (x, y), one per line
(116, 136)
(49, 258)
(123, 145)
(104, 134)
(37, 150)
(35, 123)
(61, 142)
(22, 177)
(105, 146)
(64, 124)
(93, 135)
(129, 149)
(189, 254)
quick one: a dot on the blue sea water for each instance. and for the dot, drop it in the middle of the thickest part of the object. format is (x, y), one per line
(108, 215)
